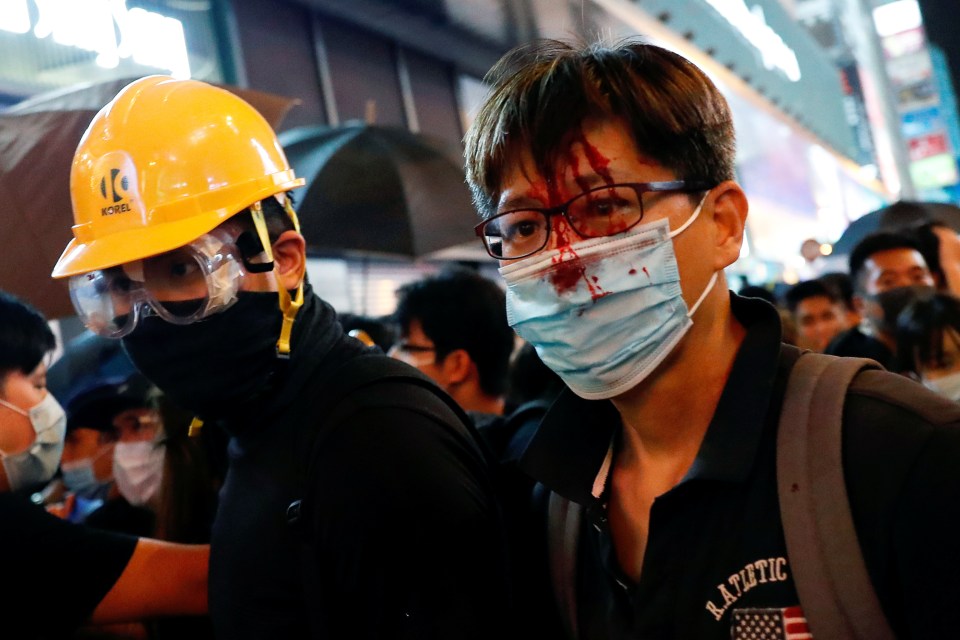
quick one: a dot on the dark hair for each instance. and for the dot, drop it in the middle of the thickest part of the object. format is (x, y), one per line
(875, 243)
(928, 243)
(756, 291)
(274, 215)
(25, 336)
(807, 289)
(460, 309)
(543, 91)
(529, 379)
(921, 328)
(841, 284)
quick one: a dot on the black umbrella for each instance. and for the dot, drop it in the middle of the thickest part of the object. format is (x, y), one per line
(899, 215)
(378, 189)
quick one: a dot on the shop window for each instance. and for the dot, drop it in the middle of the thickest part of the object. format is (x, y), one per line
(432, 88)
(363, 74)
(278, 53)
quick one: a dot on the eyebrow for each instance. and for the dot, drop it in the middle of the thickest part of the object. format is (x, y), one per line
(583, 183)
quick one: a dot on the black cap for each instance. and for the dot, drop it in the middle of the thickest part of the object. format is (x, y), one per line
(97, 406)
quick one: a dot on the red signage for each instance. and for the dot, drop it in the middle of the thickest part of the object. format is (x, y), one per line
(926, 146)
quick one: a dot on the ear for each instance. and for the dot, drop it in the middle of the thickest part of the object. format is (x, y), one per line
(456, 366)
(729, 216)
(290, 259)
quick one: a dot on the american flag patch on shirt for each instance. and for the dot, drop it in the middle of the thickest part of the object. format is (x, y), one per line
(769, 624)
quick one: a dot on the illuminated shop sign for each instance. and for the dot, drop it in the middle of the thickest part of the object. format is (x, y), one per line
(106, 27)
(752, 25)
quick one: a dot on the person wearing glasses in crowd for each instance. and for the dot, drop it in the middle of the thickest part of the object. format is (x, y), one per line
(452, 328)
(605, 178)
(374, 516)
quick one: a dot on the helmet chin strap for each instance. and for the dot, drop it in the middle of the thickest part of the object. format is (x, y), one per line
(288, 306)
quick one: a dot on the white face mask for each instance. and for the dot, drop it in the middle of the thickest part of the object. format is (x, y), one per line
(38, 463)
(137, 470)
(947, 386)
(619, 311)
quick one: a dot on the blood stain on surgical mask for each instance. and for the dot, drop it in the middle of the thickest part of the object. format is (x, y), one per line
(632, 272)
(647, 273)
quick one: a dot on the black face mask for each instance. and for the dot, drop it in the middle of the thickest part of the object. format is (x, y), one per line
(894, 301)
(210, 367)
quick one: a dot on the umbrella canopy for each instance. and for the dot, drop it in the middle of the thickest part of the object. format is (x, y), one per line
(38, 138)
(899, 215)
(377, 189)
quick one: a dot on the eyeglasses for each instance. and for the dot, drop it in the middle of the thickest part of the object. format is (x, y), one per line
(603, 211)
(411, 353)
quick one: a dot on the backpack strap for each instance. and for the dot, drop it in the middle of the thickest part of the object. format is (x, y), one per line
(563, 535)
(828, 567)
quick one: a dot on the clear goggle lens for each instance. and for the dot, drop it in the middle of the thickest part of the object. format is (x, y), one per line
(181, 286)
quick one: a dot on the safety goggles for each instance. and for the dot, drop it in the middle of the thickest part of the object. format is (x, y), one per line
(181, 286)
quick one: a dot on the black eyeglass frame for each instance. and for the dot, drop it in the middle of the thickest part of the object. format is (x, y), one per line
(679, 186)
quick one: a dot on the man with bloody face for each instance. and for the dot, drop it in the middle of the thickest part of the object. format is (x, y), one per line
(605, 180)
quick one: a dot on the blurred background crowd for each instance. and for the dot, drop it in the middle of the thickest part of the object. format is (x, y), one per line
(848, 142)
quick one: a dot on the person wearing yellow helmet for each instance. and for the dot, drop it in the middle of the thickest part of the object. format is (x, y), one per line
(372, 518)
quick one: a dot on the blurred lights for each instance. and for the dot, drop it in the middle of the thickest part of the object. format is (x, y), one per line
(150, 39)
(826, 249)
(896, 17)
(15, 17)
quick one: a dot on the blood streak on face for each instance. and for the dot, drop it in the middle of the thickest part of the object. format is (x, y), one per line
(598, 162)
(569, 269)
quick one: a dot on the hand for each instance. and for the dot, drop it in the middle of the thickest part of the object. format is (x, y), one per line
(63, 509)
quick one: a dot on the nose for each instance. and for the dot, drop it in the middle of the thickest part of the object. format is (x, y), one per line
(561, 233)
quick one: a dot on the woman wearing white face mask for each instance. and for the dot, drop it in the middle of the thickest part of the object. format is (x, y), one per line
(928, 343)
(138, 463)
(32, 423)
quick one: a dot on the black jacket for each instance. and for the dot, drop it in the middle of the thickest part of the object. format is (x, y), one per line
(404, 532)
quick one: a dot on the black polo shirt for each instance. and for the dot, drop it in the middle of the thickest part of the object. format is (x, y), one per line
(716, 564)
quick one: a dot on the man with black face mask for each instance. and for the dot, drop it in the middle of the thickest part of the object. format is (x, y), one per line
(888, 272)
(187, 248)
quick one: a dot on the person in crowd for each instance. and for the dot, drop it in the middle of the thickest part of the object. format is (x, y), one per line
(817, 314)
(888, 272)
(928, 343)
(940, 246)
(137, 464)
(842, 287)
(372, 517)
(86, 466)
(605, 179)
(452, 327)
(35, 424)
(61, 574)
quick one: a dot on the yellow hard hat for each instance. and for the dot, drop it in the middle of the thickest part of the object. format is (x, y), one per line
(163, 163)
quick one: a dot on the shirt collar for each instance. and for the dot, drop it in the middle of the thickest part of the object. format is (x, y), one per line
(569, 453)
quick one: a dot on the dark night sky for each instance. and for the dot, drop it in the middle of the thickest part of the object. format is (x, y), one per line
(941, 19)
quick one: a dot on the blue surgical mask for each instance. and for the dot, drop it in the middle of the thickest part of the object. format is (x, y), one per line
(603, 313)
(947, 386)
(78, 476)
(38, 463)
